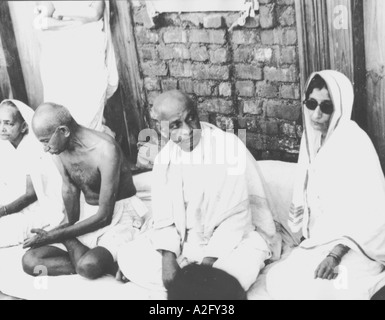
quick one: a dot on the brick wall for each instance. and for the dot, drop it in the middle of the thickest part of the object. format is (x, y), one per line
(244, 79)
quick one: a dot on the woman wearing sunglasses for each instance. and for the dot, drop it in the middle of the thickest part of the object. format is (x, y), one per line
(338, 203)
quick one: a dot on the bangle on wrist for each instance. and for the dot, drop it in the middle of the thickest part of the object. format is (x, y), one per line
(5, 211)
(336, 257)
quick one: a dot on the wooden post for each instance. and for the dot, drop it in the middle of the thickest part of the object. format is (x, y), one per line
(313, 40)
(11, 54)
(374, 17)
(131, 83)
(331, 36)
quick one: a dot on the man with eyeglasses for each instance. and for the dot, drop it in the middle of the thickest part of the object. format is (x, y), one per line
(91, 164)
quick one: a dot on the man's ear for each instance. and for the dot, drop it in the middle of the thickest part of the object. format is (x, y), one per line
(65, 130)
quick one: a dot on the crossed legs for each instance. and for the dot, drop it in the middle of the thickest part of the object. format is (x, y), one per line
(88, 263)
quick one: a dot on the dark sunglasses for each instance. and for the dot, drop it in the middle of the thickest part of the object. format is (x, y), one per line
(326, 106)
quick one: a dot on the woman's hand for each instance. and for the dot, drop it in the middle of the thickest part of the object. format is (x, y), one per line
(327, 270)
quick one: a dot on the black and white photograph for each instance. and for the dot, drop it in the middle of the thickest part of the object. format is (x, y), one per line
(208, 151)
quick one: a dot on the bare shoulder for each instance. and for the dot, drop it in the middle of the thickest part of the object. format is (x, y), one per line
(108, 148)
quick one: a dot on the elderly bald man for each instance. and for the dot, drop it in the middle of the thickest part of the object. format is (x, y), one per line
(201, 204)
(93, 164)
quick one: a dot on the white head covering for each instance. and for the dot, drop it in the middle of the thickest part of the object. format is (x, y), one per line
(29, 159)
(340, 191)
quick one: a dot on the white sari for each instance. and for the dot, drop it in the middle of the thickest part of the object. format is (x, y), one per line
(339, 198)
(78, 67)
(15, 165)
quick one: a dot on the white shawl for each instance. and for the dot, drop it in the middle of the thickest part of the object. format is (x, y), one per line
(339, 197)
(30, 159)
(231, 197)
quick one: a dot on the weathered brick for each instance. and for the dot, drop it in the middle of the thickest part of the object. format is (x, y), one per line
(252, 107)
(282, 110)
(210, 72)
(287, 17)
(270, 128)
(268, 18)
(213, 21)
(152, 84)
(245, 88)
(290, 92)
(217, 106)
(148, 53)
(250, 123)
(178, 52)
(289, 130)
(281, 75)
(244, 54)
(267, 89)
(230, 18)
(205, 88)
(169, 84)
(175, 36)
(288, 55)
(181, 70)
(194, 19)
(225, 89)
(245, 37)
(267, 37)
(225, 123)
(155, 69)
(220, 55)
(248, 72)
(145, 35)
(285, 37)
(186, 86)
(255, 141)
(263, 55)
(208, 36)
(199, 53)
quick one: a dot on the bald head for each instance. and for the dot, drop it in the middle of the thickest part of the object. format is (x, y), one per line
(177, 119)
(49, 116)
(172, 103)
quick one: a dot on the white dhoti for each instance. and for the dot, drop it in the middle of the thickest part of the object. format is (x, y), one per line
(141, 263)
(127, 223)
(294, 278)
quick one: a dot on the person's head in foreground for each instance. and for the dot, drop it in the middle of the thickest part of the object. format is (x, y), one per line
(53, 126)
(199, 282)
(176, 117)
(13, 126)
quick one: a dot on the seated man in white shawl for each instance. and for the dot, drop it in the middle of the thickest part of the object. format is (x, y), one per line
(27, 178)
(339, 203)
(91, 163)
(205, 192)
